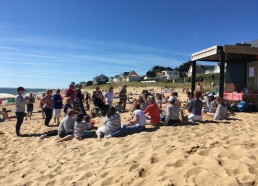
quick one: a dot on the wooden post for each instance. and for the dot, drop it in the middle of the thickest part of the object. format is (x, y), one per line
(193, 76)
(222, 71)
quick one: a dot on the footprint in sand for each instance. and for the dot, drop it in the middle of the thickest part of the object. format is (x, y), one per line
(134, 166)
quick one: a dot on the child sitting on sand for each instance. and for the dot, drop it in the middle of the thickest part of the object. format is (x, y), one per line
(136, 124)
(111, 124)
(221, 111)
(66, 127)
(80, 127)
(5, 115)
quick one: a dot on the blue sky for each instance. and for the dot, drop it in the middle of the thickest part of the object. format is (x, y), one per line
(49, 43)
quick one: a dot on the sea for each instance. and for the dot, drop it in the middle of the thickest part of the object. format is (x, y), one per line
(14, 91)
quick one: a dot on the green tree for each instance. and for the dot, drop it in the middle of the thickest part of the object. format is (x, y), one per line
(183, 68)
(89, 83)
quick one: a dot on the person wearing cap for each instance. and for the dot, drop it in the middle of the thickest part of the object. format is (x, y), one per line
(71, 92)
(195, 108)
(210, 104)
(58, 105)
(19, 109)
(48, 105)
(152, 111)
(172, 113)
(123, 96)
(30, 99)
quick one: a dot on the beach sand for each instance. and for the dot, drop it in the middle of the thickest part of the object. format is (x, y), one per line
(205, 153)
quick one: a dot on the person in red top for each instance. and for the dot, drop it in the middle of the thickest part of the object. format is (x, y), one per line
(71, 92)
(152, 111)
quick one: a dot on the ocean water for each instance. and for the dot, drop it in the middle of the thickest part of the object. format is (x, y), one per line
(14, 92)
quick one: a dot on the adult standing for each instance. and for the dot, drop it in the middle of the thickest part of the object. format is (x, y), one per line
(71, 92)
(123, 96)
(109, 96)
(58, 105)
(48, 104)
(19, 109)
(80, 97)
(30, 101)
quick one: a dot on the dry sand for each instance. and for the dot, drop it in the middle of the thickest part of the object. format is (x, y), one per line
(205, 153)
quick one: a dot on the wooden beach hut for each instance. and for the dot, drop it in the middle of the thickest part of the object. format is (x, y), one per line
(240, 82)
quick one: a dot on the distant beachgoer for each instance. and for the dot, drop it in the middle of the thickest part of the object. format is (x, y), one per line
(98, 100)
(119, 107)
(136, 124)
(71, 92)
(48, 104)
(19, 109)
(81, 128)
(195, 108)
(199, 88)
(68, 106)
(123, 96)
(58, 105)
(112, 123)
(158, 100)
(152, 111)
(109, 96)
(87, 99)
(173, 96)
(221, 111)
(41, 105)
(80, 97)
(30, 99)
(172, 113)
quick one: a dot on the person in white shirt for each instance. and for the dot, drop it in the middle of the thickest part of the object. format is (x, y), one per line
(109, 96)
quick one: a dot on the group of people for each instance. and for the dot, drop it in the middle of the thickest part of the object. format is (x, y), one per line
(146, 109)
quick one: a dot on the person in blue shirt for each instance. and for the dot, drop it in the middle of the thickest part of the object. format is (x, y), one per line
(58, 105)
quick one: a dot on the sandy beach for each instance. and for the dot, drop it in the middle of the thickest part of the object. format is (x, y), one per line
(203, 153)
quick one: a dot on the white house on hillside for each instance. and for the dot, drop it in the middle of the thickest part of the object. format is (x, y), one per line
(206, 69)
(170, 74)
